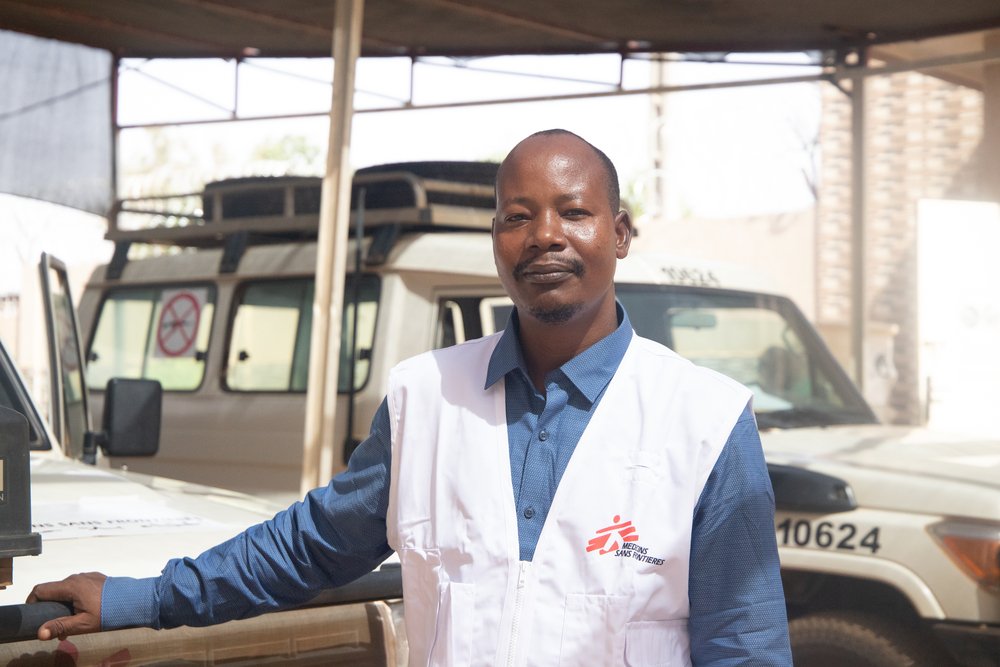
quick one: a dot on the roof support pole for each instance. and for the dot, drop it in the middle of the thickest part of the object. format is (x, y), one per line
(331, 259)
(113, 203)
(858, 309)
(991, 120)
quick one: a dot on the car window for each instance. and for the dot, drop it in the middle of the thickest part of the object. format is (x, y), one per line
(68, 411)
(158, 333)
(462, 318)
(759, 340)
(271, 329)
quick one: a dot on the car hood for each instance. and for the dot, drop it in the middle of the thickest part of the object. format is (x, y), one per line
(899, 468)
(121, 523)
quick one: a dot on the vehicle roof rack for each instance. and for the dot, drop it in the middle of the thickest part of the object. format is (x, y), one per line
(422, 196)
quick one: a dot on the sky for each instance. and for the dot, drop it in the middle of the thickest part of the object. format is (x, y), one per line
(731, 152)
(746, 142)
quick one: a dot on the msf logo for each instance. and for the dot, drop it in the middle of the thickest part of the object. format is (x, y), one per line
(621, 540)
(625, 531)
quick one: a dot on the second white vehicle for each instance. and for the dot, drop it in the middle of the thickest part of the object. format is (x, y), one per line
(84, 517)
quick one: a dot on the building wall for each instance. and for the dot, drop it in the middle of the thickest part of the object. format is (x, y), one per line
(922, 136)
(772, 245)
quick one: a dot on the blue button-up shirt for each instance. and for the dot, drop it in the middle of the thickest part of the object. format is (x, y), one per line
(543, 428)
(338, 533)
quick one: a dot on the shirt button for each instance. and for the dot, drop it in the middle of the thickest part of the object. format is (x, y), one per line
(529, 512)
(543, 435)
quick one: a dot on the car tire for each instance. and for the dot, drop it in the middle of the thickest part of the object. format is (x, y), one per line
(836, 639)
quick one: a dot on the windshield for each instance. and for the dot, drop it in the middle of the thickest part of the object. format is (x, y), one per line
(761, 341)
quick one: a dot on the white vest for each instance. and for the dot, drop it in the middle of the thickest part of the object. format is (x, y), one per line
(608, 584)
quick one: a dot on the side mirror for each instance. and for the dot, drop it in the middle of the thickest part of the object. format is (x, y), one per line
(131, 425)
(16, 538)
(801, 490)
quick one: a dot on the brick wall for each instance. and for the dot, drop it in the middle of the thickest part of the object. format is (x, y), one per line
(922, 136)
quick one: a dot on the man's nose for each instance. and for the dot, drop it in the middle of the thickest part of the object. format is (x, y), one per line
(547, 231)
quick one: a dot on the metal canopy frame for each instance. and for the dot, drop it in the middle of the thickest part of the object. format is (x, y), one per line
(302, 28)
(834, 71)
(230, 29)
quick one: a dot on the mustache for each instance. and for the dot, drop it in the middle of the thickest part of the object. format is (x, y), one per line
(574, 265)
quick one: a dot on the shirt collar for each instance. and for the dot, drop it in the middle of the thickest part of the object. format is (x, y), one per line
(590, 371)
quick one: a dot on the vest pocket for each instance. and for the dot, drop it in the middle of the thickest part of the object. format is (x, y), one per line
(421, 568)
(657, 643)
(453, 637)
(592, 630)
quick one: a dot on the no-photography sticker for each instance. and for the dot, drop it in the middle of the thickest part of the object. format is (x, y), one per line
(180, 315)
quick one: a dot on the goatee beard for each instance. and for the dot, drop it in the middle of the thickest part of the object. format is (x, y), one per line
(557, 315)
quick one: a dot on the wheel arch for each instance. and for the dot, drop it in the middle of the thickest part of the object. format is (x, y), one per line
(815, 581)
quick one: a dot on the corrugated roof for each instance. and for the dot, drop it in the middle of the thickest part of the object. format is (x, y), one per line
(233, 28)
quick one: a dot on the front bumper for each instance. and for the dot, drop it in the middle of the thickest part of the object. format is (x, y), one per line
(970, 644)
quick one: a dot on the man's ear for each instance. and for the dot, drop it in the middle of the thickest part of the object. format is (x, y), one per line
(623, 233)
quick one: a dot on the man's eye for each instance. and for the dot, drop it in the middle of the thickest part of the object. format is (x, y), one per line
(515, 217)
(574, 213)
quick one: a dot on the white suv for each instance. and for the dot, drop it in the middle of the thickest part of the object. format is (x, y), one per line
(86, 517)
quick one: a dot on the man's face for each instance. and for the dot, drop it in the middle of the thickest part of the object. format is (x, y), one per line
(556, 239)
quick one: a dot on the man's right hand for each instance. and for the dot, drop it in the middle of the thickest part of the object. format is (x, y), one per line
(83, 591)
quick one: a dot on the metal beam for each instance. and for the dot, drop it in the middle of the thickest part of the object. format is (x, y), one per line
(616, 92)
(331, 260)
(858, 286)
(113, 101)
(827, 74)
(259, 17)
(276, 20)
(921, 65)
(518, 21)
(775, 81)
(991, 122)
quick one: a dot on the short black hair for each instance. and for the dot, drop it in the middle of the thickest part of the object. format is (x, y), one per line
(610, 173)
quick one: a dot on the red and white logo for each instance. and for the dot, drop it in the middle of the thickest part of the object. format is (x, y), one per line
(625, 531)
(621, 539)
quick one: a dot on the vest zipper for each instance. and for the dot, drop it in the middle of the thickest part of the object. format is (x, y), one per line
(522, 580)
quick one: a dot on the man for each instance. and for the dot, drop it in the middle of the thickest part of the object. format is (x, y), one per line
(640, 527)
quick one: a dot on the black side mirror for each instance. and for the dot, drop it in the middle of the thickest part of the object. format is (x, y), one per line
(16, 538)
(131, 425)
(801, 490)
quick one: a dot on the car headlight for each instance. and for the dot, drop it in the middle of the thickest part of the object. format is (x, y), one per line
(974, 546)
